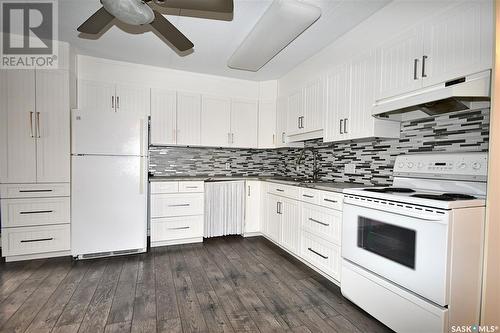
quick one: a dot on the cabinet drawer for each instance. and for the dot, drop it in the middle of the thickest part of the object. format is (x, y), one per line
(31, 212)
(192, 186)
(331, 200)
(164, 187)
(292, 192)
(309, 195)
(323, 222)
(179, 204)
(32, 240)
(172, 228)
(322, 254)
(11, 191)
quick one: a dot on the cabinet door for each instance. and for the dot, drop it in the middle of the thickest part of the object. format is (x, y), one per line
(295, 113)
(163, 116)
(215, 121)
(53, 126)
(458, 42)
(188, 119)
(314, 105)
(274, 206)
(281, 123)
(96, 96)
(18, 112)
(359, 123)
(244, 122)
(133, 99)
(267, 124)
(399, 64)
(252, 206)
(339, 103)
(290, 224)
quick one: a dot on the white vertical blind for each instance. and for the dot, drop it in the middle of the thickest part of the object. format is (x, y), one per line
(224, 208)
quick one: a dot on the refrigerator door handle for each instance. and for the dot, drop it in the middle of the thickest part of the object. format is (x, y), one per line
(141, 175)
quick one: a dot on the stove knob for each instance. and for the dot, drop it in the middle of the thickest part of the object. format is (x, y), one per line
(476, 165)
(410, 165)
(420, 165)
(401, 165)
(462, 165)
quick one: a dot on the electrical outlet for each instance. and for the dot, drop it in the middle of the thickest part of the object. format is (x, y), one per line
(228, 166)
(350, 168)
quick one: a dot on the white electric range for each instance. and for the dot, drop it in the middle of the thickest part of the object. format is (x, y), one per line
(412, 252)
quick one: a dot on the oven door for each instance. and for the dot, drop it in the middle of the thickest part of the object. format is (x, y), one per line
(408, 250)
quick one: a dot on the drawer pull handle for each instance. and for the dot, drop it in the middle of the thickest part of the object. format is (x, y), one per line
(308, 196)
(191, 186)
(37, 240)
(319, 222)
(179, 205)
(317, 253)
(330, 200)
(178, 228)
(37, 212)
(34, 191)
(280, 190)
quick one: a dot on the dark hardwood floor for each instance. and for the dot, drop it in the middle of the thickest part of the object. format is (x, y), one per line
(223, 285)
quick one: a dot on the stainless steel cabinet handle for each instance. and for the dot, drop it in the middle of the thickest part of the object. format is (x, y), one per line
(274, 139)
(330, 200)
(283, 137)
(298, 122)
(179, 205)
(31, 124)
(319, 222)
(178, 228)
(281, 207)
(191, 186)
(317, 253)
(345, 125)
(33, 191)
(112, 102)
(248, 190)
(37, 212)
(232, 137)
(37, 240)
(117, 102)
(308, 196)
(341, 121)
(228, 137)
(415, 64)
(423, 66)
(38, 125)
(280, 190)
(277, 207)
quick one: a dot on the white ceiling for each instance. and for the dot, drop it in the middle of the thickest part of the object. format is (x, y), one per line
(214, 40)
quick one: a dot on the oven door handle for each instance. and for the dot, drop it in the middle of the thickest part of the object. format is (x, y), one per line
(419, 217)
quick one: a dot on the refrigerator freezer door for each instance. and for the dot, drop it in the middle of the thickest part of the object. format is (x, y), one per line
(109, 204)
(108, 133)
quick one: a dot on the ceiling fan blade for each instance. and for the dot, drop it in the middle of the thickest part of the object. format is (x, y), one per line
(222, 6)
(96, 22)
(171, 33)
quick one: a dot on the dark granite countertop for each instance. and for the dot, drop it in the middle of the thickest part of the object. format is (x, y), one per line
(321, 185)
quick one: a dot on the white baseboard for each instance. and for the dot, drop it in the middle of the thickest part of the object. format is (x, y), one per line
(252, 234)
(38, 256)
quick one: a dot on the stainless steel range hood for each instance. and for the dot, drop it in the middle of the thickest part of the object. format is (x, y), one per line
(468, 92)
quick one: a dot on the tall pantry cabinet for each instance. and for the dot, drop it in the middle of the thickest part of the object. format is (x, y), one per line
(34, 163)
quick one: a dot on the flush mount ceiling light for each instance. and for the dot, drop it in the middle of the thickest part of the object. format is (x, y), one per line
(284, 21)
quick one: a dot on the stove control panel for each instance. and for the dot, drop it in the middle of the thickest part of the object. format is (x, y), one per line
(444, 165)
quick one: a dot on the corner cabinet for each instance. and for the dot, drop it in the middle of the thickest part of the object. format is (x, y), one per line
(350, 91)
(451, 44)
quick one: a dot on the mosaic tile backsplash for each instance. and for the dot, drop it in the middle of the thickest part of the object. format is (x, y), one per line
(373, 159)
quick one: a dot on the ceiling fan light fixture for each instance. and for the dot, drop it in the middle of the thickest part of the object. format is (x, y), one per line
(134, 12)
(283, 21)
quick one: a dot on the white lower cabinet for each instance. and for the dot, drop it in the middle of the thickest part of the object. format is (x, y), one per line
(252, 208)
(307, 223)
(177, 212)
(35, 240)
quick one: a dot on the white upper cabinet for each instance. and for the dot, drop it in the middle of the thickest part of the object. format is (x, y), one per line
(267, 137)
(163, 117)
(188, 119)
(20, 146)
(244, 122)
(399, 64)
(132, 99)
(216, 121)
(53, 126)
(451, 44)
(339, 103)
(295, 112)
(314, 105)
(95, 95)
(458, 42)
(36, 114)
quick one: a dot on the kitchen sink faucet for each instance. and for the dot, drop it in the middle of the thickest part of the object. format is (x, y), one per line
(315, 173)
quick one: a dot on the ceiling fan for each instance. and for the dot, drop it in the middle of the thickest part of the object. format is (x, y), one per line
(138, 12)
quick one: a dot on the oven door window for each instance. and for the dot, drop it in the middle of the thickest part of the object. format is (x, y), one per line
(387, 240)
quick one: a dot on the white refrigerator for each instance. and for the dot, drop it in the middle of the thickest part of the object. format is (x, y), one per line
(109, 183)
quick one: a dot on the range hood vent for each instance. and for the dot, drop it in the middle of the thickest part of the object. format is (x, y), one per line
(465, 93)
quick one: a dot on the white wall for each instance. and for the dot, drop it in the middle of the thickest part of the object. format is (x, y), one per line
(98, 69)
(378, 28)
